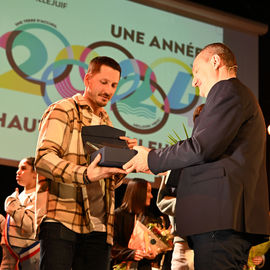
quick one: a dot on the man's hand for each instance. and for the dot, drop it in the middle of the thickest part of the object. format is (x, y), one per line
(130, 142)
(96, 173)
(139, 162)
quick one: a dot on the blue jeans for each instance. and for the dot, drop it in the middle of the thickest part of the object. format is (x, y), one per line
(222, 250)
(63, 249)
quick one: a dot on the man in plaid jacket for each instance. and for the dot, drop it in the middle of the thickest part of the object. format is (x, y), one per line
(75, 203)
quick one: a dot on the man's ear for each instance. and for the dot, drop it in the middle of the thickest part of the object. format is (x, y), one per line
(215, 61)
(86, 79)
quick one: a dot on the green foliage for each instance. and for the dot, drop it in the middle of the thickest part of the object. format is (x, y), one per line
(174, 139)
(120, 266)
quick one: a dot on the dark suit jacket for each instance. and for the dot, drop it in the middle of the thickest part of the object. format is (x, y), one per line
(223, 182)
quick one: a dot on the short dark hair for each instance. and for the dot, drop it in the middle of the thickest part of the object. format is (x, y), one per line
(224, 53)
(97, 62)
(197, 111)
(135, 196)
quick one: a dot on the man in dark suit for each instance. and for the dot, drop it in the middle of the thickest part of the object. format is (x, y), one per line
(222, 191)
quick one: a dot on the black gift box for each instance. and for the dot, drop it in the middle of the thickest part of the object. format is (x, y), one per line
(113, 157)
(105, 140)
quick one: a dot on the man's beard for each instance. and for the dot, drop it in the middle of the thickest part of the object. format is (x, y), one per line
(103, 103)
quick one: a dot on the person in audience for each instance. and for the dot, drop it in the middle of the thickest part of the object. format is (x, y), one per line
(2, 226)
(20, 248)
(134, 206)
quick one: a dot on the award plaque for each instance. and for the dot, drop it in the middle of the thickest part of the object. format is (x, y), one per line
(105, 140)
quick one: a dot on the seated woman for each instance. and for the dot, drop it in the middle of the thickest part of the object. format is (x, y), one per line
(136, 199)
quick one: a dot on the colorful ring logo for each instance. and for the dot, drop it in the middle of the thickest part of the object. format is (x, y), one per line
(142, 102)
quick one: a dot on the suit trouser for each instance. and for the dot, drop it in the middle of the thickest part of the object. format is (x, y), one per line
(222, 250)
(63, 249)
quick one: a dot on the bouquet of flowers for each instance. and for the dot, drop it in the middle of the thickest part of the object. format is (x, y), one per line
(162, 233)
(151, 239)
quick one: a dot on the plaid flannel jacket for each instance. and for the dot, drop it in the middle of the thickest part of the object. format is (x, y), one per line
(60, 157)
